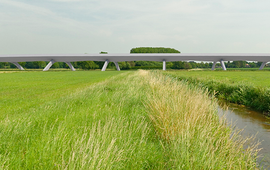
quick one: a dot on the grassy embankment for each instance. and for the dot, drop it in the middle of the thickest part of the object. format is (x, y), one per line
(249, 88)
(136, 120)
(241, 69)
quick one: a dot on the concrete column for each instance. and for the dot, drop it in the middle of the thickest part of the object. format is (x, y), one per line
(262, 66)
(49, 65)
(164, 65)
(18, 65)
(117, 66)
(105, 65)
(214, 65)
(223, 65)
(70, 66)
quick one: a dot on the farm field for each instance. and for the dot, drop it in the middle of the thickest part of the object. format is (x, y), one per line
(113, 120)
(256, 78)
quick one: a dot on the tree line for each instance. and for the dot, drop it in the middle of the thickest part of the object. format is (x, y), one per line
(87, 65)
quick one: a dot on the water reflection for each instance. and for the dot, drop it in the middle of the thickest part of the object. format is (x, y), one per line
(253, 123)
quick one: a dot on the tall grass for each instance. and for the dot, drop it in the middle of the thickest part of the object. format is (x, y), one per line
(136, 120)
(103, 126)
(193, 136)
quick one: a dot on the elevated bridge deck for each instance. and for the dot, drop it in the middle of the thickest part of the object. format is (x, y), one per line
(164, 57)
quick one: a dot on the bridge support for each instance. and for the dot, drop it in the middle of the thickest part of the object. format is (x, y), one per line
(49, 65)
(70, 66)
(214, 65)
(18, 65)
(164, 65)
(117, 66)
(262, 66)
(105, 65)
(223, 65)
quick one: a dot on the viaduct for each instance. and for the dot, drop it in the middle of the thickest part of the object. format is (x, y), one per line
(164, 57)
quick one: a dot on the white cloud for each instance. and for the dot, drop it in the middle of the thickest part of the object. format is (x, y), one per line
(68, 26)
(67, 0)
(27, 7)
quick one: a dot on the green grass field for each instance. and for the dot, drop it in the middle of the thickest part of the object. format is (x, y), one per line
(257, 78)
(113, 120)
(20, 91)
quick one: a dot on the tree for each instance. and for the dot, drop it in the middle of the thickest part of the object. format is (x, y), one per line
(22, 64)
(239, 64)
(153, 50)
(87, 65)
(38, 64)
(132, 63)
(252, 64)
(178, 65)
(202, 65)
(187, 65)
(55, 65)
(124, 65)
(62, 64)
(148, 63)
(193, 65)
(258, 64)
(169, 64)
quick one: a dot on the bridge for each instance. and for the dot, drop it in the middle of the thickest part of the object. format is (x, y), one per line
(163, 57)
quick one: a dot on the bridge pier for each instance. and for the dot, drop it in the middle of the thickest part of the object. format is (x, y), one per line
(214, 65)
(49, 65)
(70, 66)
(164, 64)
(117, 66)
(223, 65)
(18, 65)
(262, 66)
(105, 65)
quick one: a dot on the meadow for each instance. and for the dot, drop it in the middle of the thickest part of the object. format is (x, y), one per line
(114, 120)
(256, 77)
(22, 90)
(249, 88)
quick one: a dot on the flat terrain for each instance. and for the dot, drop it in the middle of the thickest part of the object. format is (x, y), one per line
(113, 120)
(20, 91)
(257, 78)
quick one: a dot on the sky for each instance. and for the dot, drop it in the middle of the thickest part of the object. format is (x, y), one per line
(116, 26)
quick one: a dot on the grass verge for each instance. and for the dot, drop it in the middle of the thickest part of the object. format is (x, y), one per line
(243, 93)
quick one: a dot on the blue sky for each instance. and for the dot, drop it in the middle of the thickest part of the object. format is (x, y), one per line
(116, 26)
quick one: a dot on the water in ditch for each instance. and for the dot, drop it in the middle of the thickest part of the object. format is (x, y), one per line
(254, 123)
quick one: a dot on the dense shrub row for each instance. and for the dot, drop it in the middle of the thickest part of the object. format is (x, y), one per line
(246, 94)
